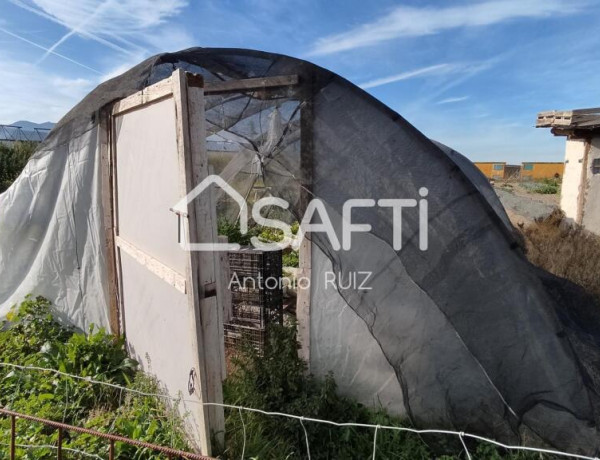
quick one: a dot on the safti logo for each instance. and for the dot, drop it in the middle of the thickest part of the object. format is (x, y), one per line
(315, 208)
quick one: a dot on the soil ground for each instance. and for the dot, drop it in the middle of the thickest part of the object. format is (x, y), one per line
(523, 205)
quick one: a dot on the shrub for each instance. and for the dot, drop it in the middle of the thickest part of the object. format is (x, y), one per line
(566, 250)
(547, 187)
(277, 381)
(13, 159)
(232, 231)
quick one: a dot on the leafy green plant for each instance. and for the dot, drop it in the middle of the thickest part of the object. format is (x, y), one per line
(276, 380)
(233, 233)
(231, 230)
(291, 258)
(32, 336)
(547, 187)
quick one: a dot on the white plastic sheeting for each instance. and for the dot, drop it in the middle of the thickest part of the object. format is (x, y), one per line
(52, 235)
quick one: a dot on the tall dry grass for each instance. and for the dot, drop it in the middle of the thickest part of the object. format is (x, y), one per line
(566, 250)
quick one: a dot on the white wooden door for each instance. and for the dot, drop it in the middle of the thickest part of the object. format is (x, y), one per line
(158, 156)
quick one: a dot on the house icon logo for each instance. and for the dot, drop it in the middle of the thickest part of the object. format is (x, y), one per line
(181, 209)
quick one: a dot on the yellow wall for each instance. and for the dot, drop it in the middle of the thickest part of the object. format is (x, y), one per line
(491, 170)
(542, 170)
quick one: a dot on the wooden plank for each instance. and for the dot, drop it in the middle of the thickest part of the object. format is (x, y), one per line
(303, 299)
(180, 95)
(115, 212)
(108, 215)
(223, 294)
(224, 291)
(153, 93)
(212, 323)
(592, 110)
(579, 118)
(165, 273)
(201, 271)
(250, 84)
(205, 230)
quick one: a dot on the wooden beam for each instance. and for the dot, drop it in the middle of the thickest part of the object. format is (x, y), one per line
(154, 93)
(165, 273)
(200, 226)
(224, 291)
(180, 95)
(112, 139)
(250, 84)
(303, 299)
(209, 274)
(108, 215)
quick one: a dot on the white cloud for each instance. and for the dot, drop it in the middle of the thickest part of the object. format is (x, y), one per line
(30, 93)
(452, 100)
(437, 69)
(111, 17)
(406, 21)
(124, 25)
(48, 51)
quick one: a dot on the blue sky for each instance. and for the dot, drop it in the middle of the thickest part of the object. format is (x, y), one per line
(471, 74)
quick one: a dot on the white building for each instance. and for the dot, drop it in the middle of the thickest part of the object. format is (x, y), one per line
(580, 195)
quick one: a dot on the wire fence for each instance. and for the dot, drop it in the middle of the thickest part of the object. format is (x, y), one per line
(461, 436)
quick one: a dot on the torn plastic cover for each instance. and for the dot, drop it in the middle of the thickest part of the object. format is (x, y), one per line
(466, 335)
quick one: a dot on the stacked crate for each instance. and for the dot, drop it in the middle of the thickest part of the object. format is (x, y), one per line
(257, 296)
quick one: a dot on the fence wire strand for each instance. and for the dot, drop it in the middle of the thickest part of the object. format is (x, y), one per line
(461, 435)
(375, 442)
(464, 444)
(244, 432)
(49, 446)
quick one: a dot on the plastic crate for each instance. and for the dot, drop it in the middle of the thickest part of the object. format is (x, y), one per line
(256, 296)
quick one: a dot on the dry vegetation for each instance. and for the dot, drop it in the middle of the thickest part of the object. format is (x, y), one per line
(566, 250)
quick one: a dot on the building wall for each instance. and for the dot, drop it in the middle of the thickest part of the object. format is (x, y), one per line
(491, 170)
(591, 188)
(542, 170)
(574, 157)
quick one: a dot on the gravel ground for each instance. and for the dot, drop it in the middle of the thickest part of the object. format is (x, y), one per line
(523, 205)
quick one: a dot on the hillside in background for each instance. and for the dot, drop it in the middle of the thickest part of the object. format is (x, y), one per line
(30, 126)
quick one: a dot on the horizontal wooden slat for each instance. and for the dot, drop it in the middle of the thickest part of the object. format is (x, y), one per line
(165, 273)
(580, 118)
(153, 93)
(250, 84)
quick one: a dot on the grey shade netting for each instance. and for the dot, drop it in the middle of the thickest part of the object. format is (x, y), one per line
(472, 336)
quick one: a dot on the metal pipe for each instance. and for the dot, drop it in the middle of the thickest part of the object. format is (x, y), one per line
(59, 447)
(110, 437)
(13, 423)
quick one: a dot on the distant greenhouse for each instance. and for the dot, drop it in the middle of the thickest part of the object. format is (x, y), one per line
(17, 133)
